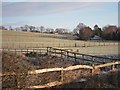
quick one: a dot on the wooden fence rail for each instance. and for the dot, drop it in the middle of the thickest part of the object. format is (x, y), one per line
(17, 45)
(108, 64)
(93, 68)
(60, 69)
(64, 53)
(41, 50)
(68, 53)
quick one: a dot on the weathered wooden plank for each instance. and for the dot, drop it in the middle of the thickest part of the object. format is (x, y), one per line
(46, 85)
(107, 64)
(59, 69)
(44, 70)
(77, 67)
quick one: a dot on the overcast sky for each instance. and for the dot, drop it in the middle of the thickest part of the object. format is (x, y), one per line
(59, 14)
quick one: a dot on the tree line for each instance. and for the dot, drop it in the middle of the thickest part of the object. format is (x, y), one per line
(108, 32)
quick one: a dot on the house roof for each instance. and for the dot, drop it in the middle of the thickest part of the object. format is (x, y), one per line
(96, 38)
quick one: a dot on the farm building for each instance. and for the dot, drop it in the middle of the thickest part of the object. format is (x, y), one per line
(96, 38)
(61, 31)
(49, 30)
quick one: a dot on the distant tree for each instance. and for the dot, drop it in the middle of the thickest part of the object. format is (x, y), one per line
(42, 29)
(22, 29)
(26, 28)
(49, 30)
(3, 28)
(118, 33)
(83, 32)
(32, 28)
(97, 31)
(10, 28)
(37, 29)
(110, 32)
(78, 27)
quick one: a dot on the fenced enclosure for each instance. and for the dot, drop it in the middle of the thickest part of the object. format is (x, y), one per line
(17, 45)
(20, 40)
(79, 57)
(89, 63)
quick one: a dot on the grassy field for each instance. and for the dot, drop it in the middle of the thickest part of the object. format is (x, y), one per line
(15, 40)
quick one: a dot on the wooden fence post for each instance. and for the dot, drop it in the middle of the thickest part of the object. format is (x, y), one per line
(75, 45)
(84, 44)
(75, 56)
(33, 50)
(82, 59)
(62, 76)
(93, 70)
(113, 66)
(55, 52)
(93, 60)
(40, 51)
(77, 50)
(15, 50)
(47, 51)
(27, 51)
(67, 54)
(61, 53)
(21, 50)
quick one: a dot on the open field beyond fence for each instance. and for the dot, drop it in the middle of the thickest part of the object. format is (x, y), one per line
(29, 39)
(24, 40)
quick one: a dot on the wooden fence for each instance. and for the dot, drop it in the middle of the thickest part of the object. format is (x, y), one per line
(66, 53)
(79, 57)
(16, 45)
(91, 68)
(38, 51)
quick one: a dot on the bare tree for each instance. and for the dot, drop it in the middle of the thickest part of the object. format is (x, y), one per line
(10, 28)
(42, 29)
(78, 27)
